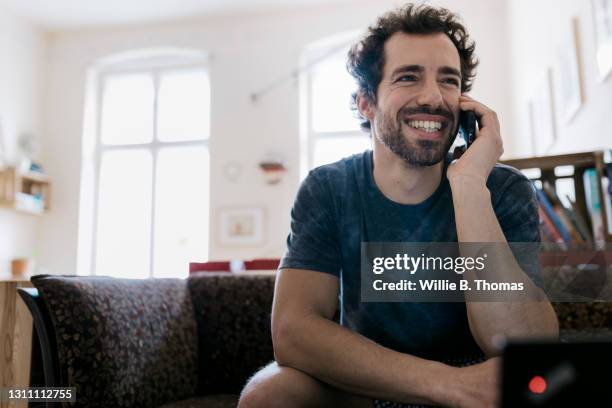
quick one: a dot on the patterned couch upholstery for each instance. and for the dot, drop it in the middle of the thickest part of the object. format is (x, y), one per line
(158, 343)
(182, 343)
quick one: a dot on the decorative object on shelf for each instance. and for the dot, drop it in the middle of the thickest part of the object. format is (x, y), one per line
(241, 226)
(568, 86)
(543, 131)
(273, 168)
(602, 14)
(22, 267)
(28, 166)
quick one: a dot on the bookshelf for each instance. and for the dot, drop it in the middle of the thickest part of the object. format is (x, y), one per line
(27, 192)
(543, 170)
(581, 162)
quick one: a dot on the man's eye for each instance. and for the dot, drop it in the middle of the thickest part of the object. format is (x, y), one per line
(451, 81)
(406, 78)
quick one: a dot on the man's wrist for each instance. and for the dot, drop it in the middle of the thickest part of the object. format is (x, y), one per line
(445, 387)
(467, 183)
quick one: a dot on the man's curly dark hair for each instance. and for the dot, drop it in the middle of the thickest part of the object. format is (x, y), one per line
(366, 59)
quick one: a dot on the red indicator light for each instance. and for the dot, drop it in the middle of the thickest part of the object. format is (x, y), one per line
(537, 385)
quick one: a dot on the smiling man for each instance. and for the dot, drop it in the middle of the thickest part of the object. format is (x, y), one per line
(412, 69)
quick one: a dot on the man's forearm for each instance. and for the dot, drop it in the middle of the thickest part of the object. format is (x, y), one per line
(476, 222)
(351, 362)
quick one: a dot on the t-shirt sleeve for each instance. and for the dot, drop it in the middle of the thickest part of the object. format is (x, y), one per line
(313, 240)
(517, 213)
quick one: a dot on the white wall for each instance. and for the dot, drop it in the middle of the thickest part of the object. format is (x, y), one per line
(248, 52)
(22, 59)
(538, 28)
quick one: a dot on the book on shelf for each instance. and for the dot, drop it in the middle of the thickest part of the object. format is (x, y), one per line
(591, 179)
(607, 188)
(560, 222)
(550, 214)
(548, 229)
(580, 221)
(565, 215)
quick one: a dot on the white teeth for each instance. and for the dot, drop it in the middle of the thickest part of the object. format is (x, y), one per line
(426, 125)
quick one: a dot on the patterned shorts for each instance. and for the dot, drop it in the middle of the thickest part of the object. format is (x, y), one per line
(457, 362)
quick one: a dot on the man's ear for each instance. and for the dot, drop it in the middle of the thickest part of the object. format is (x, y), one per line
(365, 106)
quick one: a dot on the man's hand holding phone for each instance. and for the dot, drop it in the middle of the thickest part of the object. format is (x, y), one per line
(478, 160)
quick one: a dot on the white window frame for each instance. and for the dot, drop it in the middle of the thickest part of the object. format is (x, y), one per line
(313, 54)
(156, 71)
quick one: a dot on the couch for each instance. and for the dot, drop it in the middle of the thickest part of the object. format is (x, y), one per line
(155, 342)
(175, 343)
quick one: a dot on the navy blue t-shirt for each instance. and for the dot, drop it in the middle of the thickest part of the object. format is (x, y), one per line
(339, 206)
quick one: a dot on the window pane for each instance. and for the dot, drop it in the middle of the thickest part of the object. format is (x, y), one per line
(181, 212)
(331, 149)
(127, 109)
(332, 87)
(124, 214)
(183, 106)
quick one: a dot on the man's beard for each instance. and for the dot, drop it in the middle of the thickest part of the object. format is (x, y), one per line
(419, 153)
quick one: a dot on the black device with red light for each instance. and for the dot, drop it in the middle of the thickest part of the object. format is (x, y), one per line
(548, 374)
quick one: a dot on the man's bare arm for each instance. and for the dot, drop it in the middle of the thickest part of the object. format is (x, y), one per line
(306, 338)
(476, 222)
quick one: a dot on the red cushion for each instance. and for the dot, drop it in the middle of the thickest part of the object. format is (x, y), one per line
(262, 264)
(214, 266)
(224, 266)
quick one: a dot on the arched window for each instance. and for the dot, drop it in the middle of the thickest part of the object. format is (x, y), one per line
(329, 129)
(145, 184)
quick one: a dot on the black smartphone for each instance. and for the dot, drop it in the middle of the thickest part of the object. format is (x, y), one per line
(467, 127)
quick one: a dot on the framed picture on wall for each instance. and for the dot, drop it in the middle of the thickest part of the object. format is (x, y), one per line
(602, 13)
(568, 87)
(241, 226)
(542, 116)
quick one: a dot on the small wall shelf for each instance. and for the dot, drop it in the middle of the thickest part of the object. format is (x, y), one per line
(27, 192)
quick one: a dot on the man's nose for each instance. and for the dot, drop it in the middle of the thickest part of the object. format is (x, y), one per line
(430, 94)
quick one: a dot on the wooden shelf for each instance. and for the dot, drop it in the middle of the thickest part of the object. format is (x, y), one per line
(580, 162)
(36, 177)
(28, 192)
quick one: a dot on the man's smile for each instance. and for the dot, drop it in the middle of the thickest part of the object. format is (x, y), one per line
(426, 126)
